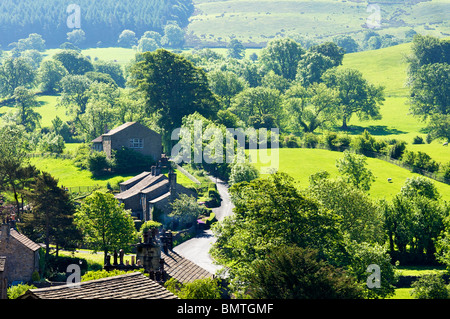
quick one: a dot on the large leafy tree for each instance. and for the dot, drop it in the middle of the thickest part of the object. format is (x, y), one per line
(74, 62)
(15, 72)
(105, 224)
(14, 169)
(270, 212)
(311, 108)
(282, 56)
(173, 88)
(25, 103)
(356, 94)
(353, 167)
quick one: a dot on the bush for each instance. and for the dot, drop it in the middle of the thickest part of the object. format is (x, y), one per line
(446, 170)
(418, 140)
(397, 149)
(56, 267)
(310, 140)
(98, 163)
(206, 288)
(290, 141)
(420, 160)
(16, 291)
(430, 287)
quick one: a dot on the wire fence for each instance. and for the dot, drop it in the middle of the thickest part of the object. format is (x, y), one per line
(397, 162)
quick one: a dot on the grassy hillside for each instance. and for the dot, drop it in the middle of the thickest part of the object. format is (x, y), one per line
(388, 67)
(257, 21)
(301, 163)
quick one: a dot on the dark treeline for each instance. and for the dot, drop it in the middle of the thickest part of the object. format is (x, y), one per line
(102, 21)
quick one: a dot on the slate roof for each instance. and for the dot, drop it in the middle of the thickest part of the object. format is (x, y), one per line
(143, 184)
(24, 240)
(119, 128)
(182, 269)
(129, 286)
(135, 178)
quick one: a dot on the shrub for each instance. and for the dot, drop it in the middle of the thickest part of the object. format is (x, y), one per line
(206, 288)
(98, 163)
(430, 287)
(418, 140)
(446, 170)
(397, 149)
(16, 291)
(310, 140)
(290, 141)
(420, 160)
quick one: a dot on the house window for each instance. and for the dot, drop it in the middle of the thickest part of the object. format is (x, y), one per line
(137, 143)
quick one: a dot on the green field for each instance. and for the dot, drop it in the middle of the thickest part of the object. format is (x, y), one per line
(300, 163)
(255, 21)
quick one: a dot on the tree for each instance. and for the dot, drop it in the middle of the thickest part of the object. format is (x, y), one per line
(242, 172)
(270, 213)
(147, 44)
(353, 167)
(173, 36)
(311, 68)
(50, 75)
(439, 127)
(330, 50)
(15, 72)
(236, 50)
(74, 94)
(282, 56)
(152, 35)
(347, 43)
(361, 218)
(296, 273)
(356, 95)
(256, 103)
(127, 39)
(311, 108)
(74, 62)
(172, 87)
(25, 102)
(185, 209)
(426, 50)
(113, 69)
(226, 84)
(105, 224)
(76, 36)
(33, 42)
(52, 212)
(429, 90)
(13, 163)
(419, 186)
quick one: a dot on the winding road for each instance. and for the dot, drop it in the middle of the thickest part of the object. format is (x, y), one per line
(196, 249)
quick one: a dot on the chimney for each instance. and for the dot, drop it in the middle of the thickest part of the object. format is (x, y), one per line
(5, 229)
(172, 182)
(153, 170)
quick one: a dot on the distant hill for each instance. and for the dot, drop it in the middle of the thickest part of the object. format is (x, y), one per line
(255, 22)
(102, 20)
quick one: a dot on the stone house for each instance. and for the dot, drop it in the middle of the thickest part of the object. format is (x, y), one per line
(151, 190)
(19, 256)
(131, 135)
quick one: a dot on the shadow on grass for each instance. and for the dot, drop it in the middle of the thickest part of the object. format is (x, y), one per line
(381, 130)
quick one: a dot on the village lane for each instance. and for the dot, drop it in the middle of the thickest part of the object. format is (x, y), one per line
(197, 249)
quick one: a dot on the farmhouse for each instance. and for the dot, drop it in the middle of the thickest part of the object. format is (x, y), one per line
(19, 257)
(151, 190)
(131, 135)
